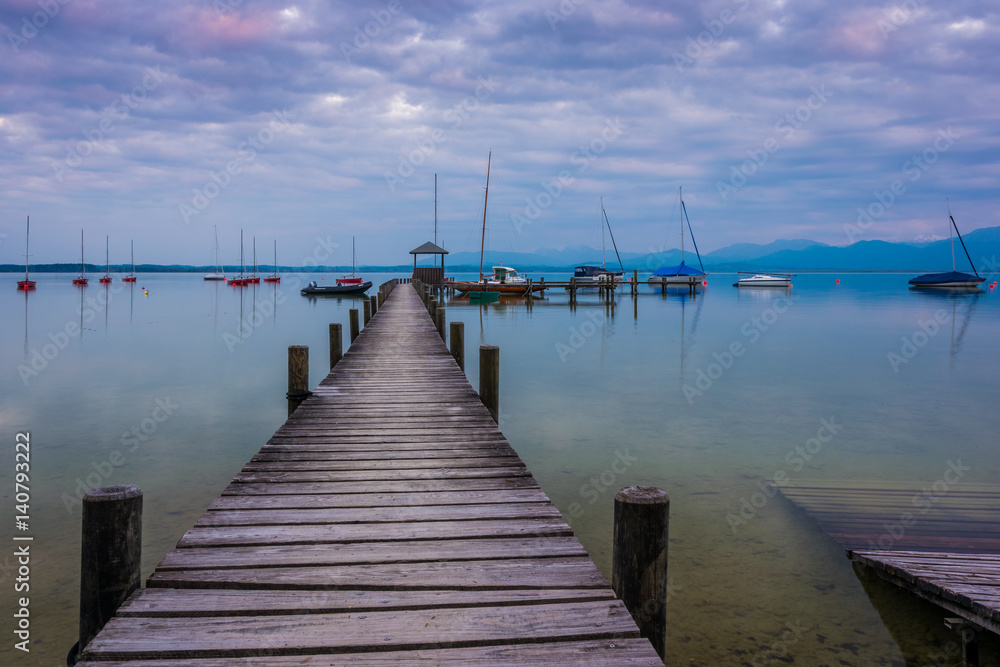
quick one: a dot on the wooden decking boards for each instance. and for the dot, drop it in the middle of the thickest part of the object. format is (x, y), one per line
(939, 541)
(388, 521)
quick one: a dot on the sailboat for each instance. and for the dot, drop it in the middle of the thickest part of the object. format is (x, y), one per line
(82, 278)
(254, 279)
(681, 274)
(352, 284)
(130, 278)
(27, 283)
(218, 274)
(274, 277)
(593, 274)
(239, 281)
(106, 278)
(951, 278)
(354, 278)
(504, 279)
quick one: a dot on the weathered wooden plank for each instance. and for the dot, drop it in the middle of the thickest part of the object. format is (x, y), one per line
(334, 465)
(624, 652)
(379, 475)
(363, 500)
(226, 602)
(320, 533)
(243, 636)
(377, 515)
(369, 552)
(401, 486)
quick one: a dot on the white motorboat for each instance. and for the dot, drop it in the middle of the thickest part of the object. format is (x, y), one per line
(765, 280)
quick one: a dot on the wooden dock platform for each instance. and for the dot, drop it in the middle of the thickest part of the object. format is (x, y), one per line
(388, 521)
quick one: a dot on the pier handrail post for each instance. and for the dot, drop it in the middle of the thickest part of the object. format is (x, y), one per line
(489, 379)
(355, 328)
(110, 555)
(439, 322)
(457, 343)
(374, 305)
(639, 559)
(336, 343)
(298, 376)
(368, 311)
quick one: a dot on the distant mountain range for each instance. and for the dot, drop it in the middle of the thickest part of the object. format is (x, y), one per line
(782, 255)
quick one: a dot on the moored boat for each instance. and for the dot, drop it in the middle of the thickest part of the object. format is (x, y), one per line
(353, 288)
(240, 280)
(953, 278)
(591, 274)
(27, 283)
(274, 277)
(130, 278)
(106, 278)
(218, 274)
(682, 274)
(82, 278)
(764, 279)
(353, 280)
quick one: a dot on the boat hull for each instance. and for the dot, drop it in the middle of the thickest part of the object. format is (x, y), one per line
(776, 282)
(215, 276)
(946, 280)
(517, 288)
(319, 290)
(26, 284)
(272, 280)
(128, 279)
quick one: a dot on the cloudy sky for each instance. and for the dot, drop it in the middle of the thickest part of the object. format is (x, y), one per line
(299, 121)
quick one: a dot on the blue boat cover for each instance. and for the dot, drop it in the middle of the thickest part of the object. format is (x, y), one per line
(679, 270)
(945, 278)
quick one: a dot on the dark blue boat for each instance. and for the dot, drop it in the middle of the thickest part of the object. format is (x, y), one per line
(951, 278)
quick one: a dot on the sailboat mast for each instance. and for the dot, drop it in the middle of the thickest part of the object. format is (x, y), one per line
(83, 269)
(435, 216)
(354, 258)
(243, 266)
(951, 236)
(604, 259)
(680, 192)
(107, 261)
(482, 246)
(27, 233)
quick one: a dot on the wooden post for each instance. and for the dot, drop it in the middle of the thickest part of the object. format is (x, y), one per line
(635, 282)
(374, 305)
(458, 343)
(639, 559)
(489, 379)
(298, 376)
(336, 343)
(439, 320)
(110, 555)
(355, 329)
(368, 311)
(432, 306)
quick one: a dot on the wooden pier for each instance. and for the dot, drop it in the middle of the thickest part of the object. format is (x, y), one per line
(939, 541)
(388, 521)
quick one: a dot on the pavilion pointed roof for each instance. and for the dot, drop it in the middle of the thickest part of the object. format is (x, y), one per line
(429, 249)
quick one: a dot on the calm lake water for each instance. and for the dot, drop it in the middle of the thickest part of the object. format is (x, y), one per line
(704, 396)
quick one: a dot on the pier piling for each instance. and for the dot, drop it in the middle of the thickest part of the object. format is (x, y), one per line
(355, 328)
(374, 304)
(439, 321)
(368, 311)
(489, 379)
(298, 376)
(639, 559)
(457, 343)
(110, 555)
(336, 343)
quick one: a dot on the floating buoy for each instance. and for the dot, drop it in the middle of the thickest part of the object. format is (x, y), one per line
(838, 281)
(704, 282)
(145, 292)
